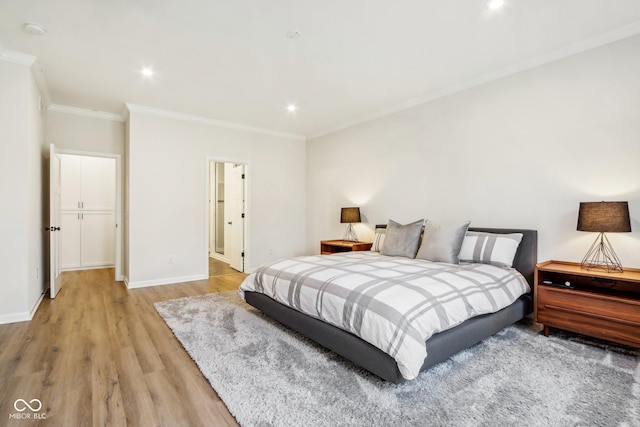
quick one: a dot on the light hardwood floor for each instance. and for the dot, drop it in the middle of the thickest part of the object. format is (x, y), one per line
(100, 355)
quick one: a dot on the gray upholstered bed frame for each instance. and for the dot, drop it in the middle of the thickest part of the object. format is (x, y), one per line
(439, 347)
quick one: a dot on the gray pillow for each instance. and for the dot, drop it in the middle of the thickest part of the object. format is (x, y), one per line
(442, 243)
(402, 240)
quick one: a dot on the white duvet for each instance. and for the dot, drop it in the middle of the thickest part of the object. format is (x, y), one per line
(393, 303)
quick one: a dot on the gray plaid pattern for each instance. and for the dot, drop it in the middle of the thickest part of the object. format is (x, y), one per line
(394, 303)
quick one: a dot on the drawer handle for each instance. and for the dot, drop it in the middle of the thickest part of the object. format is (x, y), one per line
(597, 316)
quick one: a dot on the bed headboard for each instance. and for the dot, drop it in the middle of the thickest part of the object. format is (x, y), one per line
(527, 255)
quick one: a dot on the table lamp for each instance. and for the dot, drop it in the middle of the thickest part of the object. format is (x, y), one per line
(603, 217)
(349, 216)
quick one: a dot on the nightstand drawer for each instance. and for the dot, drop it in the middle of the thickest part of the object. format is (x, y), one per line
(610, 318)
(595, 304)
(328, 247)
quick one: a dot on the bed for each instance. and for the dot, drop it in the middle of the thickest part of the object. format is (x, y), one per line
(439, 346)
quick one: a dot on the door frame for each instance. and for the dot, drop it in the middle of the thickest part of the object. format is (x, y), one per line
(213, 194)
(119, 224)
(247, 208)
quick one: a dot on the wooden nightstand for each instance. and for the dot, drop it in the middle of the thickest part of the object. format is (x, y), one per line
(328, 247)
(598, 304)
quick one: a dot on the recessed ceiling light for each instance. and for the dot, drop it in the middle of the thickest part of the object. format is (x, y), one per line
(495, 4)
(293, 35)
(147, 72)
(292, 108)
(33, 28)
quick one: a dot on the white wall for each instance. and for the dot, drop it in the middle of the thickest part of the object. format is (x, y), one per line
(21, 222)
(167, 196)
(125, 205)
(76, 132)
(522, 151)
(38, 209)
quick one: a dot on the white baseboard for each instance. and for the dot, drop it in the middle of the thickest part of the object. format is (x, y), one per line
(167, 281)
(87, 267)
(21, 317)
(15, 317)
(36, 306)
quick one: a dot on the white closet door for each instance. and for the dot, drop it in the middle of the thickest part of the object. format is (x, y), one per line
(69, 241)
(98, 183)
(98, 239)
(70, 181)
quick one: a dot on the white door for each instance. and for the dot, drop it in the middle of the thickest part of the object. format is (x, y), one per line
(70, 180)
(98, 183)
(98, 242)
(88, 182)
(70, 251)
(88, 193)
(54, 221)
(88, 239)
(234, 215)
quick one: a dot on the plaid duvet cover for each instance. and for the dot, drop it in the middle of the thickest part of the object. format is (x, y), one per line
(393, 303)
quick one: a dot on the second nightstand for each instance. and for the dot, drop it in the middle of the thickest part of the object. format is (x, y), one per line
(599, 304)
(328, 247)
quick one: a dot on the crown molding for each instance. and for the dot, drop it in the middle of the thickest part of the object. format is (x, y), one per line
(125, 112)
(17, 57)
(574, 49)
(210, 122)
(95, 114)
(36, 69)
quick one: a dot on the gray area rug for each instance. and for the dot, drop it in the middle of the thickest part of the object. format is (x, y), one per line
(268, 375)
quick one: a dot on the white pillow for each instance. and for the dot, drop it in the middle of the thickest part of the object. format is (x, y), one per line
(378, 239)
(490, 248)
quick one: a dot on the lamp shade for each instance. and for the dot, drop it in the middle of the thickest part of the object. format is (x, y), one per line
(349, 215)
(604, 217)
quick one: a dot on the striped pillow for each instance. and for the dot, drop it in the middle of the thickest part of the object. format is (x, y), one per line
(378, 240)
(490, 248)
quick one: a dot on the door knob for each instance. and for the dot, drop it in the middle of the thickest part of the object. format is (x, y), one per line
(230, 223)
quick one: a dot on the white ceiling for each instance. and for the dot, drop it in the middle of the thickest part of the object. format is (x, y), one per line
(356, 59)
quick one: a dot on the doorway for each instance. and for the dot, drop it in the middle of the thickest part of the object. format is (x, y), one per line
(227, 230)
(83, 206)
(90, 209)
